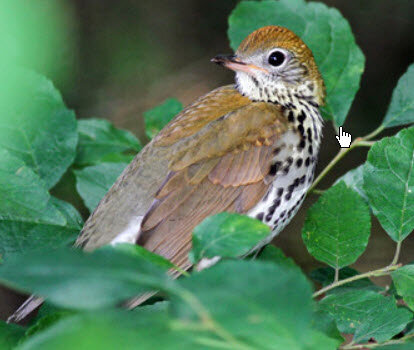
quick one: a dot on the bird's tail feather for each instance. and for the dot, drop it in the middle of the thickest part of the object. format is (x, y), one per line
(31, 304)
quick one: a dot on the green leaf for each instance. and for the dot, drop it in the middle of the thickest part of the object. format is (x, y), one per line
(383, 323)
(354, 179)
(389, 183)
(71, 278)
(36, 126)
(367, 314)
(324, 30)
(29, 217)
(337, 227)
(45, 310)
(93, 182)
(324, 323)
(401, 109)
(98, 139)
(404, 283)
(227, 235)
(326, 275)
(275, 255)
(72, 216)
(133, 330)
(157, 117)
(254, 299)
(44, 323)
(137, 250)
(10, 335)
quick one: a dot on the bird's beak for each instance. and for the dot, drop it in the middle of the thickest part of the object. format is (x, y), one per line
(234, 63)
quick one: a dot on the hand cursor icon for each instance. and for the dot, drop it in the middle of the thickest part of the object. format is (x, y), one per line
(344, 138)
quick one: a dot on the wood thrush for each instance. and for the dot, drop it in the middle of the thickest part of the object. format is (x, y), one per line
(249, 148)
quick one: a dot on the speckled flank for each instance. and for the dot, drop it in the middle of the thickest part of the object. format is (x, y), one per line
(293, 168)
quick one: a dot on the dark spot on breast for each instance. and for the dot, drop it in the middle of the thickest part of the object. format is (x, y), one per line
(260, 216)
(255, 82)
(299, 162)
(277, 150)
(302, 144)
(276, 203)
(301, 129)
(310, 149)
(289, 160)
(279, 192)
(302, 179)
(291, 118)
(283, 213)
(309, 135)
(291, 188)
(307, 161)
(269, 217)
(274, 168)
(311, 86)
(301, 117)
(286, 169)
(288, 196)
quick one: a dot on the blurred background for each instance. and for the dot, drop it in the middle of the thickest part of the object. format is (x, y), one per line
(116, 59)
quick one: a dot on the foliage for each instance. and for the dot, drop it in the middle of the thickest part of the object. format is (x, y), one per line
(264, 302)
(328, 236)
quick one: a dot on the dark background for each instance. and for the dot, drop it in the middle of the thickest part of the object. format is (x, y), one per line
(123, 57)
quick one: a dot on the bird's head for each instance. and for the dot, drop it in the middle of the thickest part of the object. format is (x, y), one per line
(273, 63)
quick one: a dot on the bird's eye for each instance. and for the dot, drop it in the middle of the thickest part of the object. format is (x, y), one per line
(277, 58)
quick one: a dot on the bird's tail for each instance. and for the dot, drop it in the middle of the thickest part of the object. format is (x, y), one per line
(31, 304)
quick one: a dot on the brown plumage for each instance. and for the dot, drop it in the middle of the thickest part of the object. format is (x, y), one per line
(236, 149)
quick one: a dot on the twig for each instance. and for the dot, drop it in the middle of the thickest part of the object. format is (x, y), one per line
(375, 273)
(359, 142)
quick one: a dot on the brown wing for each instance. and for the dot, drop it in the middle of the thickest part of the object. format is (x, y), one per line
(224, 168)
(212, 157)
(133, 192)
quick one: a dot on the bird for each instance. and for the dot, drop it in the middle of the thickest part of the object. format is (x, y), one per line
(250, 148)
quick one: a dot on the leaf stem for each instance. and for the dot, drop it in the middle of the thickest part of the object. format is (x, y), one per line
(375, 273)
(397, 254)
(336, 278)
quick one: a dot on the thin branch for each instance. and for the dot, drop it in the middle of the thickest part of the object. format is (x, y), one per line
(328, 168)
(359, 142)
(375, 273)
(371, 135)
